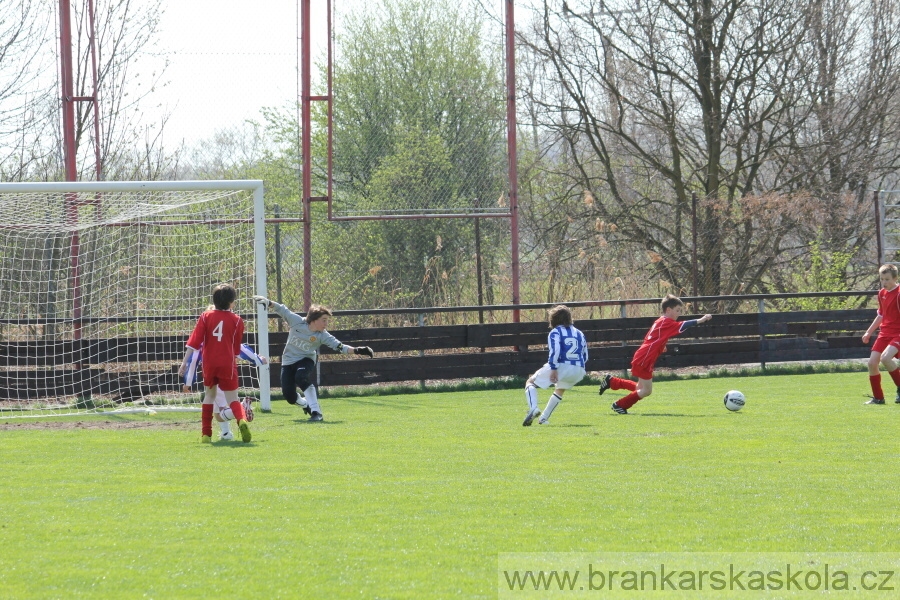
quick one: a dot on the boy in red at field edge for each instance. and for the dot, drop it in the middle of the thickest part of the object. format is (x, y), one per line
(887, 344)
(219, 333)
(663, 328)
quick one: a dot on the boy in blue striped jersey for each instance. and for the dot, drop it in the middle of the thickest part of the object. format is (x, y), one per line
(564, 368)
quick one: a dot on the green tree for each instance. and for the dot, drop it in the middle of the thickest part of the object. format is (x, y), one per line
(419, 129)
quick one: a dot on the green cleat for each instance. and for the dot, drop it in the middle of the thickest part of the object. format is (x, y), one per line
(245, 431)
(205, 439)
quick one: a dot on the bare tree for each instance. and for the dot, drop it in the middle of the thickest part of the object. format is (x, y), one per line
(728, 99)
(24, 93)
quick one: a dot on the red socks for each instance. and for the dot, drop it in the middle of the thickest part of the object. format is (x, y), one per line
(895, 375)
(617, 383)
(875, 382)
(629, 400)
(238, 410)
(206, 418)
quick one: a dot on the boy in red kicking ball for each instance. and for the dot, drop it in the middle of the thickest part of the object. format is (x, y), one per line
(887, 344)
(665, 327)
(219, 333)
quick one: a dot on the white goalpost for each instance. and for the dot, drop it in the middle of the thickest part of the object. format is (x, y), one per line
(102, 282)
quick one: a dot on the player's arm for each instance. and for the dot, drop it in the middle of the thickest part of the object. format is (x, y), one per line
(690, 323)
(554, 350)
(338, 346)
(876, 323)
(190, 369)
(188, 355)
(249, 355)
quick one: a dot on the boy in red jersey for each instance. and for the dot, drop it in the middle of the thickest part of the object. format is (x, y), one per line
(663, 328)
(887, 344)
(219, 333)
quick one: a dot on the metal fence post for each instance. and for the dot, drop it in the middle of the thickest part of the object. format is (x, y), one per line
(422, 352)
(762, 336)
(624, 314)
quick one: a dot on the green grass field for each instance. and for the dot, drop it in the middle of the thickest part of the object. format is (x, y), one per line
(416, 496)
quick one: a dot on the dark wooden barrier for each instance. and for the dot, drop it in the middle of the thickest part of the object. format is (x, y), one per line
(442, 352)
(453, 352)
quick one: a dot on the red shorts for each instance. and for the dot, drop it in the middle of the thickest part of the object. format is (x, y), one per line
(642, 372)
(224, 377)
(883, 341)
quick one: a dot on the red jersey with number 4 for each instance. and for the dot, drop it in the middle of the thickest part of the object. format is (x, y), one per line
(220, 333)
(889, 309)
(655, 341)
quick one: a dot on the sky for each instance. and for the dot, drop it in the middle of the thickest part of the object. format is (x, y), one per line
(227, 60)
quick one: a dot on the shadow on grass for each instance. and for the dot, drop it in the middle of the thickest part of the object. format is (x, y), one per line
(317, 423)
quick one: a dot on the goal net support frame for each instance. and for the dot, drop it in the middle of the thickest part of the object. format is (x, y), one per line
(74, 215)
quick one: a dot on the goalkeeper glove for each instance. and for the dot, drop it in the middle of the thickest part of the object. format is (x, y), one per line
(263, 300)
(364, 350)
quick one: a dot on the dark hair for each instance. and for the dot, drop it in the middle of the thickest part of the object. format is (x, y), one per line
(224, 296)
(560, 315)
(317, 312)
(668, 302)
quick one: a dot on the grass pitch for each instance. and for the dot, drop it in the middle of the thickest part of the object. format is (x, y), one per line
(416, 496)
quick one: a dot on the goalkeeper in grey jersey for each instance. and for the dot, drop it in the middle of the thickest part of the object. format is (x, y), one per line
(298, 362)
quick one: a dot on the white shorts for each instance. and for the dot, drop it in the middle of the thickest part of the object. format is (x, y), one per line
(569, 375)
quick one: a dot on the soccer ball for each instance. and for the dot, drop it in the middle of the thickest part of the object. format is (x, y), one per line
(734, 400)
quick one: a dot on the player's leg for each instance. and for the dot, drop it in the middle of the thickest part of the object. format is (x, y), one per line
(223, 416)
(206, 412)
(289, 383)
(887, 359)
(878, 347)
(230, 387)
(567, 376)
(552, 403)
(643, 389)
(542, 375)
(608, 382)
(305, 377)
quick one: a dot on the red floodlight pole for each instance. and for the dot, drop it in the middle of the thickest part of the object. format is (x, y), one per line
(68, 118)
(511, 151)
(305, 144)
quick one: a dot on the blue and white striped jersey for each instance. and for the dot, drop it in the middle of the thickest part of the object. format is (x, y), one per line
(567, 345)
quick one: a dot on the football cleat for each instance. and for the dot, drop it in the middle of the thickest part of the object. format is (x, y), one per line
(205, 439)
(531, 416)
(315, 417)
(604, 383)
(247, 405)
(618, 409)
(302, 403)
(876, 401)
(227, 437)
(245, 431)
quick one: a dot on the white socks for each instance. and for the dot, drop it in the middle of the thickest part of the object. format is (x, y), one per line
(312, 398)
(551, 406)
(226, 428)
(531, 397)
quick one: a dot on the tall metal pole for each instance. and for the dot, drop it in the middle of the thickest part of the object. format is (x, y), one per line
(694, 242)
(305, 145)
(511, 151)
(879, 237)
(68, 89)
(71, 200)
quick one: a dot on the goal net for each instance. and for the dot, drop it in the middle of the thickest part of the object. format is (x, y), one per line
(101, 283)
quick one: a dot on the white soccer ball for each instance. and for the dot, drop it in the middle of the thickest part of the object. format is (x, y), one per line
(734, 400)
